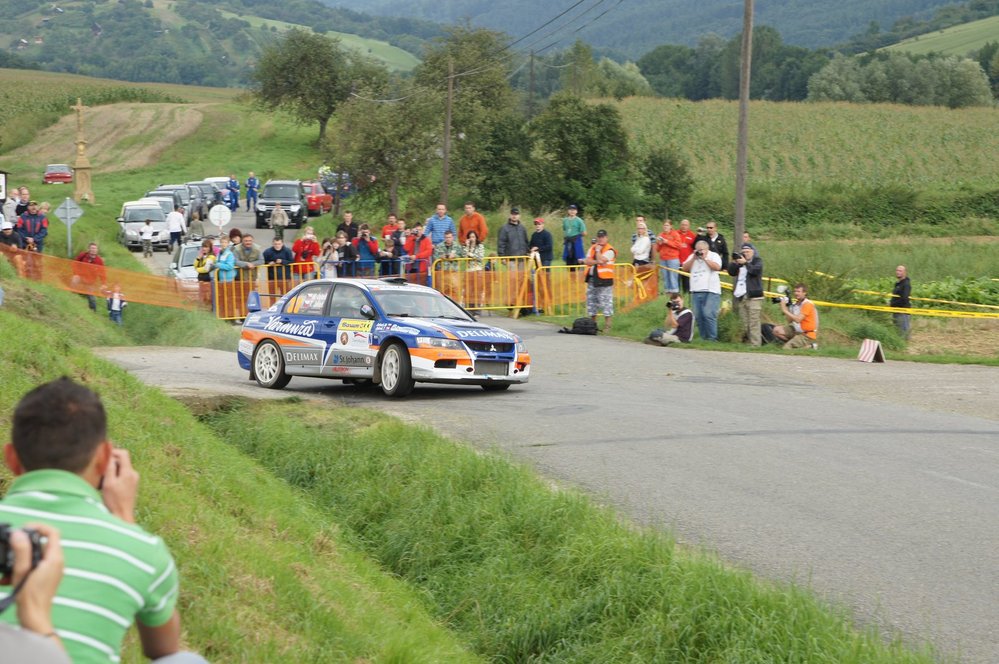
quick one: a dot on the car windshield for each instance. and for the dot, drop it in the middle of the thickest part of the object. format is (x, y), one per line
(187, 256)
(207, 188)
(166, 204)
(57, 168)
(280, 191)
(418, 304)
(140, 214)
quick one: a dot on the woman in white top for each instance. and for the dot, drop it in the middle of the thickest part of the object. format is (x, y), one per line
(641, 246)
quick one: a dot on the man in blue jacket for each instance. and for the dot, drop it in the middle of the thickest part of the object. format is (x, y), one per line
(541, 241)
(33, 225)
(252, 187)
(233, 188)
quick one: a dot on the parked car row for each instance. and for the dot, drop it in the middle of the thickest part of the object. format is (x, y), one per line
(196, 196)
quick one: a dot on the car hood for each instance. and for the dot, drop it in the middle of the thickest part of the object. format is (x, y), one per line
(464, 330)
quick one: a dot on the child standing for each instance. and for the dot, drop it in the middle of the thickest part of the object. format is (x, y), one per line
(116, 304)
(146, 235)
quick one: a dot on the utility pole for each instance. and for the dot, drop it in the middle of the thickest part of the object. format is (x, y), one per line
(530, 90)
(743, 147)
(445, 171)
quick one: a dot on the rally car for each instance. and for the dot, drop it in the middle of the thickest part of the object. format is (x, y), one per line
(388, 332)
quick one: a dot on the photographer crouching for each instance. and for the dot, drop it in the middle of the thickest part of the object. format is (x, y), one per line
(678, 326)
(803, 318)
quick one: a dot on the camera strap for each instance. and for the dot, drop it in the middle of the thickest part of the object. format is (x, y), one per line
(9, 599)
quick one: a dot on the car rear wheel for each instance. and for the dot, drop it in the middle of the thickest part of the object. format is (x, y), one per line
(496, 387)
(397, 371)
(268, 366)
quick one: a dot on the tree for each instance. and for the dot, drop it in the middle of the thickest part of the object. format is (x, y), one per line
(666, 181)
(580, 150)
(306, 74)
(387, 146)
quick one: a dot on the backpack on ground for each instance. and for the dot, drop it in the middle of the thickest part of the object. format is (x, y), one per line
(581, 326)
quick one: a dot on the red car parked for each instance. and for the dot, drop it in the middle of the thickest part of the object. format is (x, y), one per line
(57, 174)
(318, 200)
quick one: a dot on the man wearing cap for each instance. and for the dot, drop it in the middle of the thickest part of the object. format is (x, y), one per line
(600, 279)
(9, 238)
(512, 239)
(33, 225)
(542, 242)
(437, 223)
(573, 232)
(748, 291)
(472, 220)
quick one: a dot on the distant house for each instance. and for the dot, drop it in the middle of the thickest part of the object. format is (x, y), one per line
(22, 44)
(39, 40)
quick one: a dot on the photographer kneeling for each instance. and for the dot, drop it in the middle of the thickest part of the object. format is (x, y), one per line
(804, 319)
(679, 324)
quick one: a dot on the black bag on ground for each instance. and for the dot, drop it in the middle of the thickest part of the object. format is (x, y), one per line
(581, 326)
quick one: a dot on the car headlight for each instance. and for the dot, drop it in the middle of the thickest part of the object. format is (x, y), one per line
(521, 346)
(261, 207)
(132, 234)
(434, 342)
(295, 208)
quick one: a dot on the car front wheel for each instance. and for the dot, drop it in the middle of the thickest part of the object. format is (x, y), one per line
(397, 371)
(268, 366)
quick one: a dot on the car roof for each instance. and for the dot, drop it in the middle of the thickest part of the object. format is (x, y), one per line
(283, 182)
(66, 166)
(142, 202)
(367, 284)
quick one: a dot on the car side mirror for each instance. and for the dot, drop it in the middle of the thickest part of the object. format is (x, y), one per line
(173, 266)
(367, 311)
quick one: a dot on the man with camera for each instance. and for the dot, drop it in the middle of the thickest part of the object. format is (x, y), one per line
(747, 268)
(678, 326)
(31, 560)
(705, 288)
(67, 473)
(802, 332)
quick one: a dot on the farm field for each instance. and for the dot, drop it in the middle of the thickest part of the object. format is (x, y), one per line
(801, 145)
(956, 40)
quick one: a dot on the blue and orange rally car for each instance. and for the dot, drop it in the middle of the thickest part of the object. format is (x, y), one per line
(388, 332)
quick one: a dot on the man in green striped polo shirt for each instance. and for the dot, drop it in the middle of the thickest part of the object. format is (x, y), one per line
(69, 475)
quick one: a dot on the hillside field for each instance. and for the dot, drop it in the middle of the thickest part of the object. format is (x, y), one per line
(821, 163)
(956, 40)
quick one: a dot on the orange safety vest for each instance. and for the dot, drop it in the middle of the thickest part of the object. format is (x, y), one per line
(603, 271)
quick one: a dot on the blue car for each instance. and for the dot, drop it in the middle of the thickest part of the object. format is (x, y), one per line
(388, 332)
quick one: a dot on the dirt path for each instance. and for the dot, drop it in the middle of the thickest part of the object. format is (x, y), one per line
(120, 136)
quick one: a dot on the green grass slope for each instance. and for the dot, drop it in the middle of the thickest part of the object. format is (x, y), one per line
(956, 40)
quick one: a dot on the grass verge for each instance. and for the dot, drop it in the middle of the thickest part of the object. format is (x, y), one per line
(266, 575)
(524, 573)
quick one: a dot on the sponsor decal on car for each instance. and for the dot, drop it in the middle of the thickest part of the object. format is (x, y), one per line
(355, 326)
(398, 329)
(302, 357)
(350, 360)
(485, 334)
(305, 329)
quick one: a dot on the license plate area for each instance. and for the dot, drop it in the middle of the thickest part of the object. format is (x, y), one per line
(491, 368)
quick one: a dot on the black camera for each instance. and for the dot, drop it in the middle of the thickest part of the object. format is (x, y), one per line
(7, 553)
(675, 306)
(699, 253)
(736, 255)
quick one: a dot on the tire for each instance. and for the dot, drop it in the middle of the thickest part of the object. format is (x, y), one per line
(496, 387)
(396, 371)
(268, 366)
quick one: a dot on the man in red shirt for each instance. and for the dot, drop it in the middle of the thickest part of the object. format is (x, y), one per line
(668, 245)
(90, 275)
(687, 237)
(472, 221)
(419, 249)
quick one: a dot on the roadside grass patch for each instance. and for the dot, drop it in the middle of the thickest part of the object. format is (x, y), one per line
(525, 573)
(266, 576)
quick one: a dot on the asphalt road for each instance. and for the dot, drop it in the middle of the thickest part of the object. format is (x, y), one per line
(875, 485)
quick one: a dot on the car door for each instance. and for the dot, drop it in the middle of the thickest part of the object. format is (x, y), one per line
(304, 330)
(350, 354)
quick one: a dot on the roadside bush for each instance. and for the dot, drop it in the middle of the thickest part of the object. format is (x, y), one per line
(868, 328)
